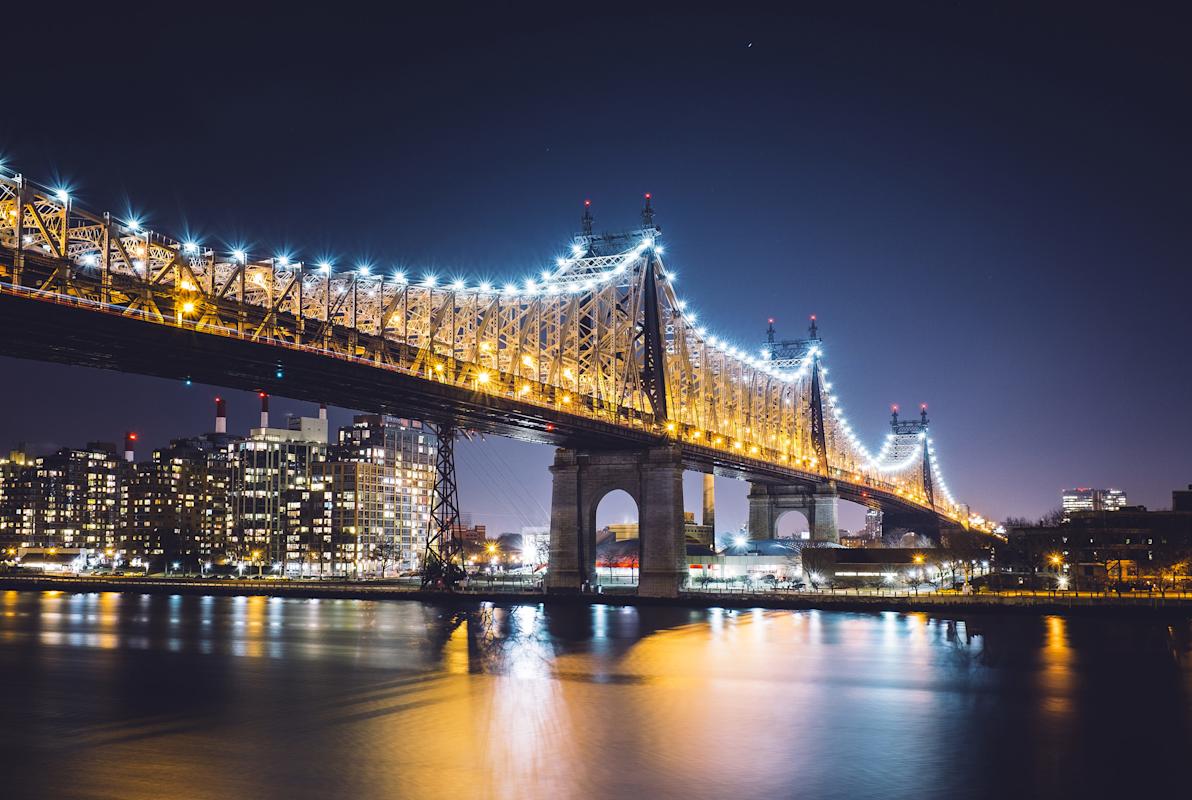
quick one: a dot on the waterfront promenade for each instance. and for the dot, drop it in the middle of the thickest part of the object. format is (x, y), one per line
(1035, 602)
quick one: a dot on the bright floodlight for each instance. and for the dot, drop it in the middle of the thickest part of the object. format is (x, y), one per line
(546, 275)
(240, 255)
(560, 263)
(190, 247)
(429, 280)
(510, 288)
(62, 195)
(457, 285)
(658, 249)
(134, 225)
(530, 285)
(399, 276)
(324, 266)
(283, 261)
(363, 269)
(485, 287)
(740, 541)
(577, 249)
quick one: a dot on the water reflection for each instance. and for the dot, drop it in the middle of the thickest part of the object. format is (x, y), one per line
(254, 696)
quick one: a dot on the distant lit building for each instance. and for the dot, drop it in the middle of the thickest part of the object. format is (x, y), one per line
(1086, 499)
(694, 532)
(535, 545)
(10, 474)
(315, 549)
(471, 534)
(272, 463)
(69, 500)
(1094, 549)
(873, 523)
(179, 505)
(380, 474)
(163, 506)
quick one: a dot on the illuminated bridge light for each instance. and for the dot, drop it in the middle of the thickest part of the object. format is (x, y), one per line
(577, 331)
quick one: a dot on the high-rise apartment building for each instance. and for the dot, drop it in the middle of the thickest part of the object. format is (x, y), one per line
(68, 500)
(380, 474)
(11, 468)
(271, 464)
(179, 505)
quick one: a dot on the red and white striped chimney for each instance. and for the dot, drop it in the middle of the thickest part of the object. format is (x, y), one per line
(264, 410)
(130, 442)
(221, 415)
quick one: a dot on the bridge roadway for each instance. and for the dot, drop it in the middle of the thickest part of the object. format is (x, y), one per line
(49, 326)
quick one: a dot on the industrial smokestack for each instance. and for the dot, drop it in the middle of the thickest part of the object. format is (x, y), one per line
(323, 411)
(130, 442)
(221, 415)
(264, 410)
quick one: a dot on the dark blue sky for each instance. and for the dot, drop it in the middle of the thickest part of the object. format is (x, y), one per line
(989, 211)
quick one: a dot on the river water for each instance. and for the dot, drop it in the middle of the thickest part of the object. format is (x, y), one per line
(136, 696)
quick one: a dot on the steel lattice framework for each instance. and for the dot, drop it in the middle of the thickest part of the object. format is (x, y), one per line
(601, 335)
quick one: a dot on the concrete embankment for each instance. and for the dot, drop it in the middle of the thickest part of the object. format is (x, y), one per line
(1136, 604)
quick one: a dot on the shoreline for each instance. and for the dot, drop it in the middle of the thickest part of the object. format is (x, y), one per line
(1139, 606)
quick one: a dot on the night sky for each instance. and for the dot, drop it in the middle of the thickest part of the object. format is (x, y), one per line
(988, 211)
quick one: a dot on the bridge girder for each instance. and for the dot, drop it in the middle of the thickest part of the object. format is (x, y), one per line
(562, 359)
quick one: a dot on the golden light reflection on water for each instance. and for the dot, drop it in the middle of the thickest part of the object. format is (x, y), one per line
(342, 698)
(1056, 677)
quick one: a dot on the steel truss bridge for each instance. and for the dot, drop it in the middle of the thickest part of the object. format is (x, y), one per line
(597, 351)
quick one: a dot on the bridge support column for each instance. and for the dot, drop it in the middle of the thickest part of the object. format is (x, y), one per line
(654, 479)
(768, 502)
(709, 514)
(763, 515)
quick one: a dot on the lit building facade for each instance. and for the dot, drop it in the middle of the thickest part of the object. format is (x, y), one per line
(68, 500)
(1086, 499)
(271, 464)
(179, 505)
(10, 475)
(380, 474)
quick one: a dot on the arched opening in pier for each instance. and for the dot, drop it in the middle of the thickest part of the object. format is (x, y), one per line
(792, 524)
(617, 540)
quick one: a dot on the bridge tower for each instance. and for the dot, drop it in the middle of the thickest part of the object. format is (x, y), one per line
(816, 500)
(916, 431)
(442, 562)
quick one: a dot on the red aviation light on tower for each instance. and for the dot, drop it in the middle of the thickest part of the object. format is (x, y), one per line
(587, 204)
(894, 407)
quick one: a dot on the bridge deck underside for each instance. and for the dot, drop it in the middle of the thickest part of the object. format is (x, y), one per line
(55, 332)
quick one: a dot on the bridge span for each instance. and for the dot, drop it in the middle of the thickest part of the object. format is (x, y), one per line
(596, 354)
